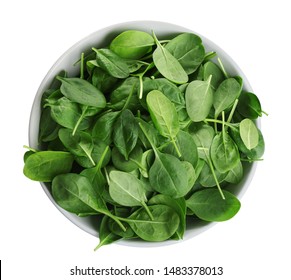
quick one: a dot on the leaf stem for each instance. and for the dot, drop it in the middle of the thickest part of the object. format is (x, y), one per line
(213, 173)
(148, 138)
(232, 111)
(265, 113)
(30, 149)
(222, 68)
(102, 157)
(79, 120)
(218, 121)
(116, 219)
(176, 147)
(148, 210)
(82, 66)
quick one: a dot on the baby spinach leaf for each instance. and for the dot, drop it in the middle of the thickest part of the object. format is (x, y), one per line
(199, 97)
(67, 113)
(217, 76)
(170, 90)
(235, 175)
(75, 193)
(253, 154)
(208, 178)
(125, 133)
(103, 127)
(125, 96)
(188, 49)
(112, 63)
(209, 206)
(81, 91)
(102, 80)
(225, 95)
(43, 166)
(48, 128)
(168, 65)
(96, 155)
(249, 133)
(178, 204)
(164, 224)
(105, 235)
(80, 144)
(163, 114)
(169, 176)
(224, 152)
(186, 146)
(249, 105)
(203, 135)
(126, 189)
(129, 165)
(132, 44)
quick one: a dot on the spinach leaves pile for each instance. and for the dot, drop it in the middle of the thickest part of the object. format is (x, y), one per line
(147, 138)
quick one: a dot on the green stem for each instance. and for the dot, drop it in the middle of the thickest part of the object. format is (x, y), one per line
(82, 66)
(265, 113)
(90, 158)
(147, 210)
(30, 149)
(79, 120)
(218, 121)
(128, 99)
(213, 174)
(176, 147)
(140, 86)
(102, 157)
(232, 111)
(222, 68)
(138, 164)
(148, 138)
(116, 219)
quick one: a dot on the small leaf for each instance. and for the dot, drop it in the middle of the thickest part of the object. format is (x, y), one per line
(209, 206)
(199, 97)
(249, 133)
(168, 65)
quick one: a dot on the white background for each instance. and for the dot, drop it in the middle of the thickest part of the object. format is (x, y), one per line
(37, 242)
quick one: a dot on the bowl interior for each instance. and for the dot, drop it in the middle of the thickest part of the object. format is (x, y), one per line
(101, 38)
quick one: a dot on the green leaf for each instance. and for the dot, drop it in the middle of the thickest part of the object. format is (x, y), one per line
(225, 95)
(249, 105)
(188, 49)
(112, 63)
(132, 44)
(162, 227)
(168, 176)
(43, 166)
(217, 76)
(224, 153)
(105, 235)
(178, 204)
(75, 193)
(209, 206)
(163, 114)
(249, 133)
(126, 189)
(82, 92)
(67, 114)
(125, 133)
(199, 97)
(80, 144)
(168, 65)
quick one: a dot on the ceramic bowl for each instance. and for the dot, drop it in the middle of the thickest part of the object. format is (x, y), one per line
(101, 38)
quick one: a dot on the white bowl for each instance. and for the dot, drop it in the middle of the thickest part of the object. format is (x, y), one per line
(101, 38)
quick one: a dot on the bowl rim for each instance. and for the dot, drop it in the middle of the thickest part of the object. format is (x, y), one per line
(78, 47)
